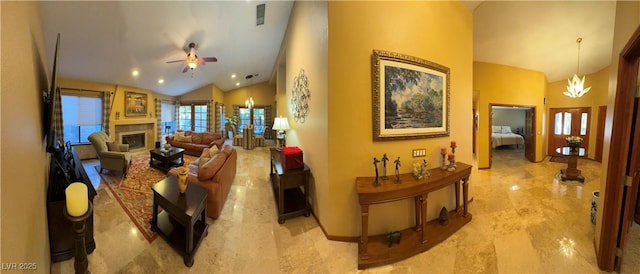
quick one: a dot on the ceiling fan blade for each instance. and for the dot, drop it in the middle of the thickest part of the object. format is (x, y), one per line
(210, 59)
(185, 69)
(175, 61)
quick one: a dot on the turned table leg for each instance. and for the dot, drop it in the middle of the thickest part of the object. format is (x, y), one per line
(423, 211)
(465, 193)
(418, 204)
(457, 184)
(364, 238)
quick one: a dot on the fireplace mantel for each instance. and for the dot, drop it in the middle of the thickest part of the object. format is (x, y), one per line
(134, 121)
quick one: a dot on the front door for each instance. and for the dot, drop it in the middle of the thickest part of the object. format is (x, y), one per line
(567, 122)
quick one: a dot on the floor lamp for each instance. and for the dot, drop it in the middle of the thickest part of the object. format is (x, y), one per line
(280, 124)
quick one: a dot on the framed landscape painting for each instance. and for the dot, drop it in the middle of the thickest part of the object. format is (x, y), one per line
(410, 97)
(135, 104)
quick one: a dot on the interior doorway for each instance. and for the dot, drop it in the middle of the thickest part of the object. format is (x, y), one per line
(623, 165)
(515, 119)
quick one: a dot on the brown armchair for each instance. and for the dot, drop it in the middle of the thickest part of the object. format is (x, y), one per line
(112, 160)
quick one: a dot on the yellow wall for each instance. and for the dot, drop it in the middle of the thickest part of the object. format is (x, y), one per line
(441, 32)
(499, 84)
(597, 96)
(305, 47)
(262, 93)
(627, 20)
(24, 162)
(204, 93)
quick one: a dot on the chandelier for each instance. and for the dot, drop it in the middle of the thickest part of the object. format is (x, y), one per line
(249, 103)
(575, 88)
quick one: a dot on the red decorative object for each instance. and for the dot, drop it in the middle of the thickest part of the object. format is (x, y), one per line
(292, 158)
(451, 156)
(453, 144)
(443, 151)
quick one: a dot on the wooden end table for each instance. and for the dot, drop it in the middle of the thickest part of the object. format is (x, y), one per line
(166, 159)
(290, 200)
(183, 223)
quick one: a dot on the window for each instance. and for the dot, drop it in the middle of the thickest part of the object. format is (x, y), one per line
(193, 117)
(81, 116)
(168, 117)
(583, 123)
(567, 124)
(258, 120)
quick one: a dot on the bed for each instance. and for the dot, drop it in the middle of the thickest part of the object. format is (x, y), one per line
(502, 136)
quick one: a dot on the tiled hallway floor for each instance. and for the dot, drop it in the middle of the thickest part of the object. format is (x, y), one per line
(524, 221)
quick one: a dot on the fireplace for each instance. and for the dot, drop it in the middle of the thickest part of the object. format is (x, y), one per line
(135, 139)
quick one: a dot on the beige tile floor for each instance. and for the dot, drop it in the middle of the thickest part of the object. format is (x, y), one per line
(524, 221)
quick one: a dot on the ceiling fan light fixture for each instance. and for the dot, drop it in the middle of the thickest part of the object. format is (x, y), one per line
(575, 87)
(192, 65)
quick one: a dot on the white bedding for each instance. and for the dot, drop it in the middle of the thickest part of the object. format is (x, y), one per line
(502, 136)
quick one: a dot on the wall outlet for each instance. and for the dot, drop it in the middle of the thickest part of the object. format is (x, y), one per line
(419, 152)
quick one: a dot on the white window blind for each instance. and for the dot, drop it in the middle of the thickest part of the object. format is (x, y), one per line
(81, 116)
(168, 112)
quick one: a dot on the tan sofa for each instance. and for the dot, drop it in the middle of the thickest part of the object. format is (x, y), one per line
(216, 175)
(198, 141)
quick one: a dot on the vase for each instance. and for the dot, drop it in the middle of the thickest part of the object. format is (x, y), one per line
(573, 148)
(181, 173)
(167, 146)
(594, 206)
(182, 182)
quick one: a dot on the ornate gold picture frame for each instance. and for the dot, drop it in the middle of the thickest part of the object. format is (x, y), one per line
(410, 97)
(135, 104)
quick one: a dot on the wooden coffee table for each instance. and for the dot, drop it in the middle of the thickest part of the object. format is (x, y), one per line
(183, 222)
(166, 159)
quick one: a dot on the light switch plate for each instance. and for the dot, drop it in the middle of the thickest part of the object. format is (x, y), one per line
(419, 152)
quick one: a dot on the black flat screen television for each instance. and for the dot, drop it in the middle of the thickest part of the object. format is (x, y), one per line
(53, 145)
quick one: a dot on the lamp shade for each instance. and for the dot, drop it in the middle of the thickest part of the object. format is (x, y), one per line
(281, 123)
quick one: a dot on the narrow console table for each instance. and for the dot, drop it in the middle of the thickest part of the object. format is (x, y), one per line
(286, 184)
(373, 250)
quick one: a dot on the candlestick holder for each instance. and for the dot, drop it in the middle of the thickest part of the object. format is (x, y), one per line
(452, 165)
(444, 162)
(80, 264)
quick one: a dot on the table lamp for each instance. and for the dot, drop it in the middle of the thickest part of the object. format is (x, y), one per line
(280, 124)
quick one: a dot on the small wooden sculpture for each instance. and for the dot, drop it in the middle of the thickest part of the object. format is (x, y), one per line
(397, 162)
(375, 164)
(385, 159)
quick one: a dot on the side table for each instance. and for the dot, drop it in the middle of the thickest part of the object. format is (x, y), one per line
(183, 223)
(571, 172)
(289, 198)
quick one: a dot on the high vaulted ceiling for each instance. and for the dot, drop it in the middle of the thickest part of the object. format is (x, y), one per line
(105, 41)
(541, 35)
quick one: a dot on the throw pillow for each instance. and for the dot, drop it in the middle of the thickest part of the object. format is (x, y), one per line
(204, 157)
(113, 146)
(182, 138)
(212, 150)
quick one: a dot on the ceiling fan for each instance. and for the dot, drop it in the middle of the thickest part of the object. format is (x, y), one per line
(192, 60)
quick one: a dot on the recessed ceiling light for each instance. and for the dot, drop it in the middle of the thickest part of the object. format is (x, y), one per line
(237, 83)
(135, 72)
(233, 76)
(160, 81)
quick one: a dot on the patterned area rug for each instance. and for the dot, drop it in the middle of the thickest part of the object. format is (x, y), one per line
(134, 192)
